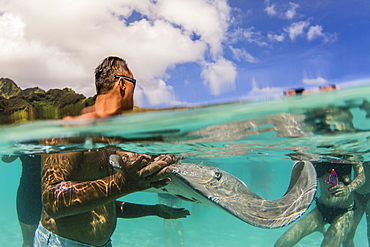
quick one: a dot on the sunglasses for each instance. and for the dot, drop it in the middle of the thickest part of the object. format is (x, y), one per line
(132, 80)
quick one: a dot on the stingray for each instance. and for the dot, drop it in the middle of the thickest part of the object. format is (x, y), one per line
(214, 187)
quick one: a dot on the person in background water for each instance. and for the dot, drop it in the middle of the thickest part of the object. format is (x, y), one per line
(169, 224)
(302, 91)
(28, 202)
(335, 206)
(362, 196)
(80, 189)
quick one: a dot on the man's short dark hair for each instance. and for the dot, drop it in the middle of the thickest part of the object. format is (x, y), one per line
(105, 72)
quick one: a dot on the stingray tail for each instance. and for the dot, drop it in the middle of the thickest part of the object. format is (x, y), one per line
(283, 211)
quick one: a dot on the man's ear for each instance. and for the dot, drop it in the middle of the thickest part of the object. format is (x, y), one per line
(121, 84)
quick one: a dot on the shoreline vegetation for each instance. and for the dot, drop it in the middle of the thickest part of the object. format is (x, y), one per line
(22, 105)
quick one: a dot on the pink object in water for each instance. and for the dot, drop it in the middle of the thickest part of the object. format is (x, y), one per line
(332, 178)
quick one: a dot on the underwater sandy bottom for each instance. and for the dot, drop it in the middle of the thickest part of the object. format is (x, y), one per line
(206, 226)
(211, 227)
(148, 233)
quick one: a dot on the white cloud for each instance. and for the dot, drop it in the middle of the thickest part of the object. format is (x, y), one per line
(158, 46)
(266, 91)
(276, 37)
(284, 11)
(315, 32)
(68, 39)
(263, 92)
(29, 60)
(314, 81)
(351, 83)
(296, 29)
(253, 36)
(157, 93)
(270, 9)
(303, 28)
(246, 34)
(242, 55)
(290, 13)
(210, 21)
(220, 76)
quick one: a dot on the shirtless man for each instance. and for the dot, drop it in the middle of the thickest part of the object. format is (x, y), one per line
(115, 86)
(335, 206)
(80, 189)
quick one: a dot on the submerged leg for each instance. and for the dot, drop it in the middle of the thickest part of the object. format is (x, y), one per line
(358, 213)
(28, 233)
(368, 221)
(168, 224)
(337, 231)
(305, 226)
(168, 231)
(180, 231)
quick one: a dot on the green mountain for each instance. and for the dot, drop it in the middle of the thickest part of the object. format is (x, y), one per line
(8, 88)
(17, 105)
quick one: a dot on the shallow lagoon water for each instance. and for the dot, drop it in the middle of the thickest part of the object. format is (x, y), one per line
(254, 141)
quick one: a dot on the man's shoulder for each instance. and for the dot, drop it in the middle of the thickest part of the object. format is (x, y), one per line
(68, 157)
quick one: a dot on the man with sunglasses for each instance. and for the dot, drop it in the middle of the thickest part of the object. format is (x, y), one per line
(115, 90)
(80, 189)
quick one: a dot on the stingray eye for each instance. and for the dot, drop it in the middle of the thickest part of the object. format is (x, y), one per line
(218, 175)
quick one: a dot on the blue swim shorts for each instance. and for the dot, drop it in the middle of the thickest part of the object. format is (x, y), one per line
(45, 238)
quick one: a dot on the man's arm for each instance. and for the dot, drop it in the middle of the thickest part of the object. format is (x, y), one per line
(89, 115)
(63, 197)
(130, 210)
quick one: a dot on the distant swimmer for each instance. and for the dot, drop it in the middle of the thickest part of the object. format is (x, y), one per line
(302, 91)
(295, 91)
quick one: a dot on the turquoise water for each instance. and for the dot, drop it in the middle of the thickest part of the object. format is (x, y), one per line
(254, 141)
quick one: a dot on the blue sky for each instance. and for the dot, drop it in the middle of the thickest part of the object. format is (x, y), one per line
(187, 51)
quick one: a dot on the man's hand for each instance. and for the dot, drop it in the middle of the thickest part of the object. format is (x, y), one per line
(167, 212)
(141, 171)
(9, 158)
